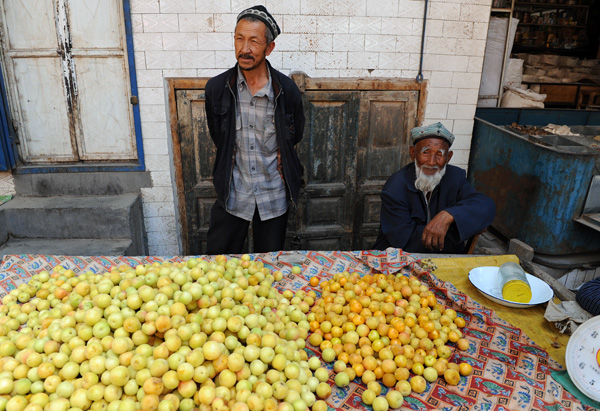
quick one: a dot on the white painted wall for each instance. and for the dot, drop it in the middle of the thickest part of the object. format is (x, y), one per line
(323, 38)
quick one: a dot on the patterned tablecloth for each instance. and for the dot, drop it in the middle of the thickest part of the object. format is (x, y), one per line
(510, 372)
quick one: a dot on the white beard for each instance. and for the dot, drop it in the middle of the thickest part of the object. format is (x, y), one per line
(426, 183)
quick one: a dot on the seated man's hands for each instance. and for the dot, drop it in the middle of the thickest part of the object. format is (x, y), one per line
(435, 232)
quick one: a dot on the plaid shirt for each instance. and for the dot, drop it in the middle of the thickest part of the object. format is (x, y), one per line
(256, 181)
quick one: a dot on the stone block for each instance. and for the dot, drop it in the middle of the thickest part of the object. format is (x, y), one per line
(520, 249)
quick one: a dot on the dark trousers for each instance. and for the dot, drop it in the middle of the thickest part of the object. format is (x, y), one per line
(227, 233)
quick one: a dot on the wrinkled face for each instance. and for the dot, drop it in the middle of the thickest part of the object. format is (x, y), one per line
(431, 155)
(251, 47)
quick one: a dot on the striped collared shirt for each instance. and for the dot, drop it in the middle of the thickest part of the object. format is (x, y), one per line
(256, 181)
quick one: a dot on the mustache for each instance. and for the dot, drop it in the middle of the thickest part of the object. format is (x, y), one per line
(245, 56)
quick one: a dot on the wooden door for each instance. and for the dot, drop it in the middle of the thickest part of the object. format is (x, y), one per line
(67, 80)
(356, 136)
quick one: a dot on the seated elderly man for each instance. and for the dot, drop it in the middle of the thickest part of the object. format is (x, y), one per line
(429, 206)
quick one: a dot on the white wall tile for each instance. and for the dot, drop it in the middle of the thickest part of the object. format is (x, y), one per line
(180, 41)
(159, 224)
(446, 122)
(433, 28)
(461, 142)
(355, 73)
(299, 24)
(137, 23)
(363, 60)
(382, 8)
(196, 23)
(238, 6)
(316, 7)
(441, 79)
(158, 163)
(440, 45)
(460, 158)
(458, 29)
(348, 42)
(147, 41)
(394, 61)
(350, 7)
(224, 23)
(461, 111)
(472, 12)
(177, 6)
(444, 11)
(287, 42)
(163, 209)
(158, 194)
(466, 47)
(155, 145)
(442, 95)
(333, 24)
(365, 25)
(332, 60)
(151, 95)
(467, 96)
(283, 7)
(475, 64)
(463, 127)
(408, 44)
(380, 43)
(399, 26)
(466, 80)
(276, 59)
(161, 23)
(153, 112)
(145, 6)
(304, 61)
(163, 59)
(480, 30)
(213, 6)
(316, 42)
(149, 78)
(180, 73)
(215, 41)
(224, 59)
(194, 59)
(411, 9)
(436, 110)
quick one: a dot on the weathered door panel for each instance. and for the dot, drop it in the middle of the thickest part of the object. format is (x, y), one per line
(105, 114)
(197, 158)
(386, 118)
(95, 24)
(68, 81)
(328, 153)
(44, 113)
(30, 24)
(353, 141)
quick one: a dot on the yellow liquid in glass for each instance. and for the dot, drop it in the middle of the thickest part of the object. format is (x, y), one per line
(517, 291)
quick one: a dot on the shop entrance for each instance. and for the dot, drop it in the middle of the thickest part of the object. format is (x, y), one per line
(356, 136)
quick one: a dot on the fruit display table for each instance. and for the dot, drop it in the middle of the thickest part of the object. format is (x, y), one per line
(510, 371)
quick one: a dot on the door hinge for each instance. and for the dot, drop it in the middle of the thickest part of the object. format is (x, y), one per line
(134, 100)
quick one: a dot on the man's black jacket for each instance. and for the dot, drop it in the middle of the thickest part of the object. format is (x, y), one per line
(220, 104)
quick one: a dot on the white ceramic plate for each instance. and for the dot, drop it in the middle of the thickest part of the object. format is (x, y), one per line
(487, 281)
(582, 365)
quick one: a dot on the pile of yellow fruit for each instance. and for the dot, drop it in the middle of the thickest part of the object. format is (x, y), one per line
(389, 328)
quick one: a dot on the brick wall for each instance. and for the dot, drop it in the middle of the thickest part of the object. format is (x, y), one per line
(323, 38)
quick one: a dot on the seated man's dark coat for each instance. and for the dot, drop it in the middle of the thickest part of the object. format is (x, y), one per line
(404, 212)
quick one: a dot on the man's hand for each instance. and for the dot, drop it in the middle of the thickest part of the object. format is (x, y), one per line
(435, 232)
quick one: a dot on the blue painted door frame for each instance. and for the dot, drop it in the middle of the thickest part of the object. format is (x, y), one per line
(7, 158)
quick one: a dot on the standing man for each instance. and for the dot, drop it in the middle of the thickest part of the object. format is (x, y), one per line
(429, 205)
(255, 118)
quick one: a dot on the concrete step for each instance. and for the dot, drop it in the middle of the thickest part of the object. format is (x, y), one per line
(61, 246)
(70, 216)
(106, 218)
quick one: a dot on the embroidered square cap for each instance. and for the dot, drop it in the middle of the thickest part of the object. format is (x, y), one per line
(433, 130)
(261, 13)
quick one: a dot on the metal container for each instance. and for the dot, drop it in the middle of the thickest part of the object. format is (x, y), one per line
(514, 284)
(539, 183)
